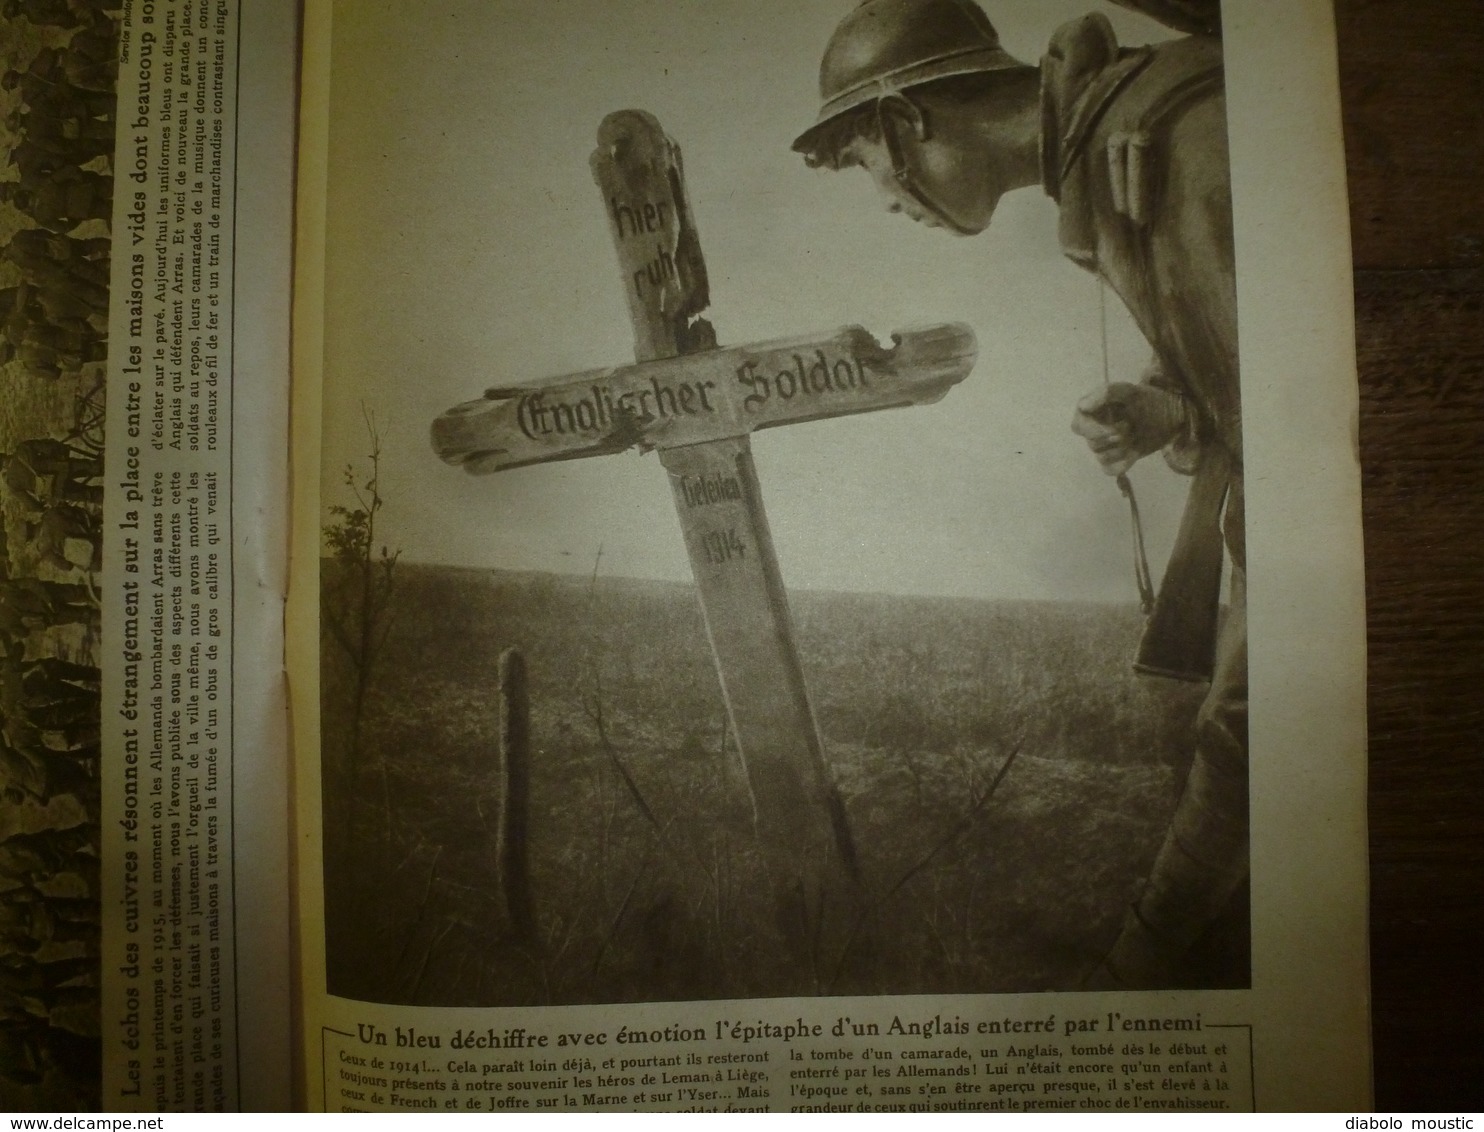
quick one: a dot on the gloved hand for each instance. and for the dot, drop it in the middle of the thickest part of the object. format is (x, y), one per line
(1124, 422)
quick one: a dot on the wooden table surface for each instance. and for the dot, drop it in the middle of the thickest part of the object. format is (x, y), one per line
(1412, 81)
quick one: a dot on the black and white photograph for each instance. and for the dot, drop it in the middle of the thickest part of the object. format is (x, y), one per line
(57, 96)
(782, 522)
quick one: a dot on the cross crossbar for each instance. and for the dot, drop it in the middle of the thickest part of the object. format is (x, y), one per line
(704, 396)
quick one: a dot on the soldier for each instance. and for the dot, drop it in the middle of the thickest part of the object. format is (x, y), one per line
(23, 304)
(25, 775)
(65, 132)
(44, 683)
(90, 61)
(38, 359)
(84, 259)
(65, 284)
(66, 537)
(52, 469)
(64, 200)
(64, 310)
(25, 977)
(44, 87)
(71, 917)
(64, 274)
(1131, 144)
(28, 923)
(74, 71)
(59, 290)
(31, 1044)
(47, 853)
(33, 161)
(37, 707)
(25, 909)
(47, 720)
(57, 457)
(20, 1048)
(60, 349)
(42, 604)
(38, 341)
(19, 479)
(28, 769)
(45, 13)
(55, 670)
(68, 729)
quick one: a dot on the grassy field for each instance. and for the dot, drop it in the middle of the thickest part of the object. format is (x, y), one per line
(647, 880)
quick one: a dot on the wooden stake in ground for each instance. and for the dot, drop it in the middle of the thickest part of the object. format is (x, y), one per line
(515, 794)
(698, 405)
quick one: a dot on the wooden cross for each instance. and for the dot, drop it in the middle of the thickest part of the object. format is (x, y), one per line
(698, 404)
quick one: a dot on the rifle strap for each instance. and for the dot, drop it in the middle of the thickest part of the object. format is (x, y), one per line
(1142, 577)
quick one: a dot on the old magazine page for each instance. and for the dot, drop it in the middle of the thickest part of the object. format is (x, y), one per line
(143, 833)
(726, 741)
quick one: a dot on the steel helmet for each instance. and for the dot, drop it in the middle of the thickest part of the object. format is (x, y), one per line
(885, 46)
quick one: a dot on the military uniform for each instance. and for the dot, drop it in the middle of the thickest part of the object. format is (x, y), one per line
(1134, 151)
(66, 537)
(44, 13)
(68, 469)
(62, 200)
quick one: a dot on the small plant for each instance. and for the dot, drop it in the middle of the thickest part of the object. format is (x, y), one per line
(358, 597)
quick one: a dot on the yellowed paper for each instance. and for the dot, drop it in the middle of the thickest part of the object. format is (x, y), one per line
(193, 783)
(957, 577)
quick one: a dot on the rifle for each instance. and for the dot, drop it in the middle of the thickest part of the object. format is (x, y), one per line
(1179, 637)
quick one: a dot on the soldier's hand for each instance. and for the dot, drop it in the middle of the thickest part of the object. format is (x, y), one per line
(1122, 423)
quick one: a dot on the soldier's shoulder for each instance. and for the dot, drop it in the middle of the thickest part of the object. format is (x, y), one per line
(1181, 74)
(1087, 70)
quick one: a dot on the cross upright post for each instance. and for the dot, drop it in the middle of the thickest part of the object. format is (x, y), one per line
(698, 405)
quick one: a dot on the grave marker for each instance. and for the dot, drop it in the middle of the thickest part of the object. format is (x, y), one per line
(698, 405)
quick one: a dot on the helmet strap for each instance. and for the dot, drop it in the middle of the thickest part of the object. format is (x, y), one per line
(901, 168)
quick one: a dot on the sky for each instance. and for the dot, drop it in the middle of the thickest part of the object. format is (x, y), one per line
(468, 247)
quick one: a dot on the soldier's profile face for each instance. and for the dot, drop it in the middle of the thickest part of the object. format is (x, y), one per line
(934, 182)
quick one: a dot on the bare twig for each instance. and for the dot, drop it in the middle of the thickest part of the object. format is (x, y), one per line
(422, 969)
(594, 710)
(619, 915)
(976, 807)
